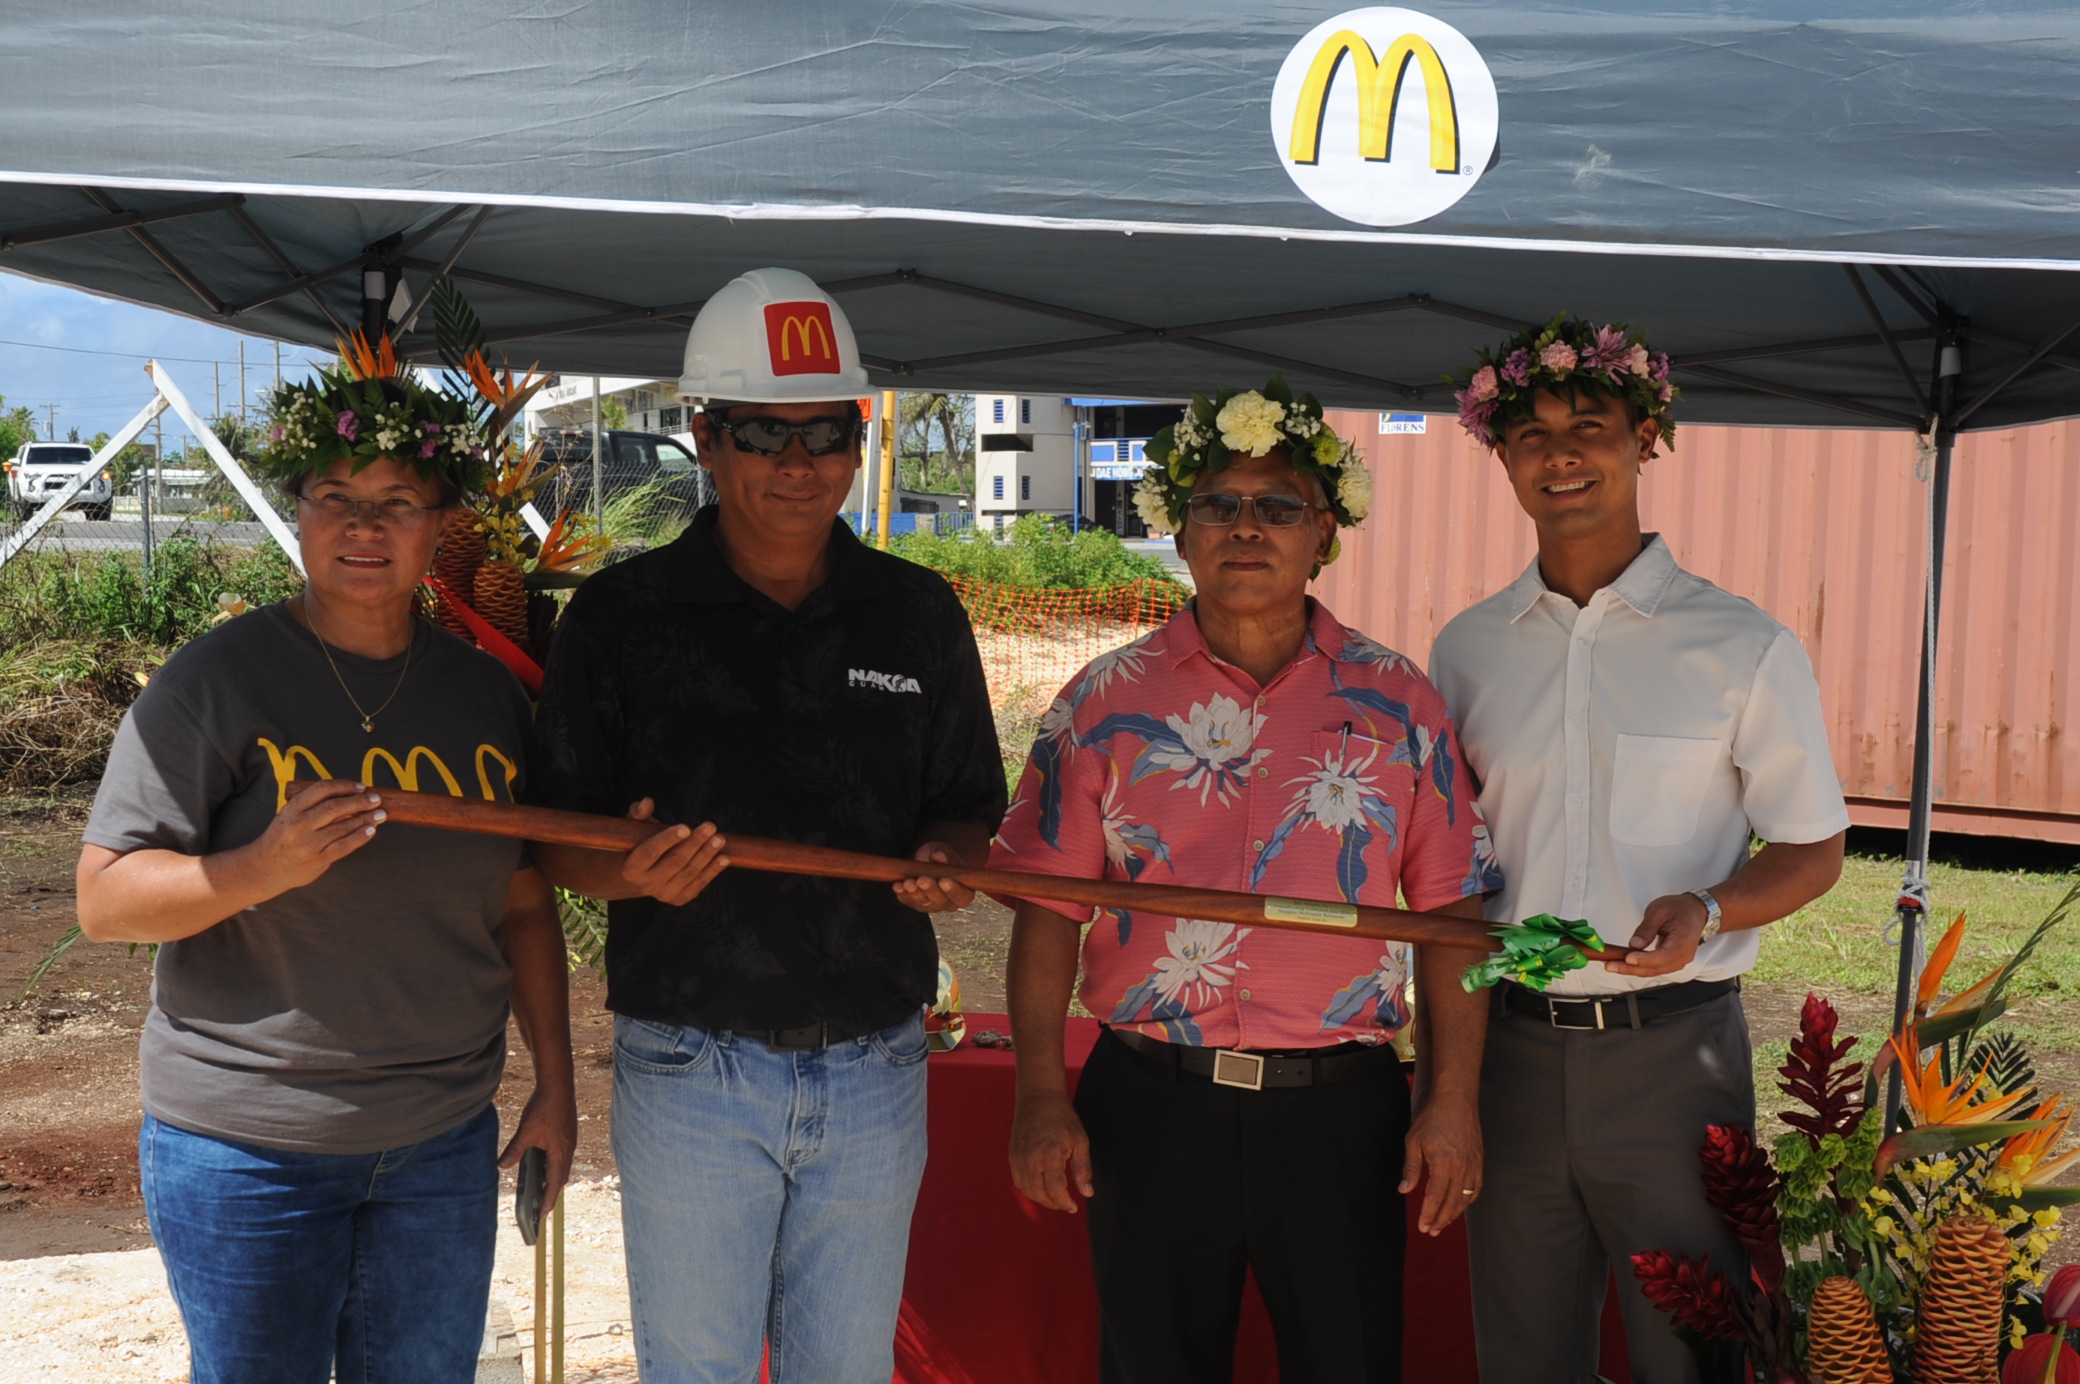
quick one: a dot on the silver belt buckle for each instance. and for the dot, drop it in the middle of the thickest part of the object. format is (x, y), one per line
(1242, 1070)
(1553, 1015)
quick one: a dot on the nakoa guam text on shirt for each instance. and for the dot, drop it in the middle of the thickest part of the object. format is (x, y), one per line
(887, 682)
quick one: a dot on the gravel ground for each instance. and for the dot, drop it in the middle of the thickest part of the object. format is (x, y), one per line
(93, 1318)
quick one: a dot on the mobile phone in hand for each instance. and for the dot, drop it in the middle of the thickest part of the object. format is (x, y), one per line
(527, 1202)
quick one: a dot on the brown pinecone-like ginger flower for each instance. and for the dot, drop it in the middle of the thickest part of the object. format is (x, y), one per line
(1958, 1333)
(456, 562)
(501, 598)
(1844, 1346)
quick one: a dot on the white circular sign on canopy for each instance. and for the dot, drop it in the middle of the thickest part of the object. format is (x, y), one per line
(1384, 116)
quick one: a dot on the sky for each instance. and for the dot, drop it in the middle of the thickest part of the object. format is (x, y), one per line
(86, 355)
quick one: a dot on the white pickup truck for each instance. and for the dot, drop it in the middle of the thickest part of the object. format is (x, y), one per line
(40, 469)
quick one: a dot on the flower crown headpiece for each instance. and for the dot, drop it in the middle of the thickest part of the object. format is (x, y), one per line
(1567, 356)
(371, 405)
(1242, 424)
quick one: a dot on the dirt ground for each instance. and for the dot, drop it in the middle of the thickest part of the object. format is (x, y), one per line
(68, 1055)
(69, 1110)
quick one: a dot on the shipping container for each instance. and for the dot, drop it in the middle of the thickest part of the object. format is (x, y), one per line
(1828, 532)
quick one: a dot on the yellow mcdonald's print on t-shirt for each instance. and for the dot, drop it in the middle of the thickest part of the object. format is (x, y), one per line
(403, 774)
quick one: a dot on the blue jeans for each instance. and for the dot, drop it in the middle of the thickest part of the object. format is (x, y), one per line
(288, 1265)
(765, 1200)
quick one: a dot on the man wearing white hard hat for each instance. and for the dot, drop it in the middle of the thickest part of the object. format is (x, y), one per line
(767, 673)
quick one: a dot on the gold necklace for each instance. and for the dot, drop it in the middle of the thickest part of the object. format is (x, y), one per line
(368, 718)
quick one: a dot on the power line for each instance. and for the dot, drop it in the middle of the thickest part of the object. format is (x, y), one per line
(129, 355)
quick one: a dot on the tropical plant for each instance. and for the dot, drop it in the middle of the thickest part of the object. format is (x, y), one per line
(17, 427)
(1931, 1236)
(935, 440)
(1038, 551)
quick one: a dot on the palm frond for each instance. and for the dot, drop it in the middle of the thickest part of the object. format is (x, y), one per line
(2005, 1062)
(457, 331)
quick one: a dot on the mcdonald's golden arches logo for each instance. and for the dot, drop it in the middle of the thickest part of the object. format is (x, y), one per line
(1384, 116)
(801, 340)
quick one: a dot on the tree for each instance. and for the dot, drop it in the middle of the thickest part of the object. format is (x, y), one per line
(17, 426)
(127, 463)
(935, 442)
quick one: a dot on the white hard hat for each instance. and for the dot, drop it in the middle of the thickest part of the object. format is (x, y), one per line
(771, 337)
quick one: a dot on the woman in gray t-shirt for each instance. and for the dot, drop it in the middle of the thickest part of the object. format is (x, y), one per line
(319, 1154)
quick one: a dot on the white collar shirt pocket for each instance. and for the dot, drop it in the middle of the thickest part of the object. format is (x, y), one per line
(1658, 786)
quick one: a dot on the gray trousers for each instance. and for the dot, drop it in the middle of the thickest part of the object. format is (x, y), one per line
(1592, 1143)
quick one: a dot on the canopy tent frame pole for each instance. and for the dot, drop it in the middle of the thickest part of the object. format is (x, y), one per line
(158, 252)
(1910, 913)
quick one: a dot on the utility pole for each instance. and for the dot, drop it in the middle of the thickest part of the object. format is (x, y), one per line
(50, 424)
(216, 375)
(241, 384)
(278, 365)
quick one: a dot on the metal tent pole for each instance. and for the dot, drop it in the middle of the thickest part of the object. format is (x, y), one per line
(599, 467)
(1079, 432)
(375, 297)
(1911, 911)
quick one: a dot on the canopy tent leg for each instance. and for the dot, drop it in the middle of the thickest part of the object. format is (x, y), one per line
(1911, 912)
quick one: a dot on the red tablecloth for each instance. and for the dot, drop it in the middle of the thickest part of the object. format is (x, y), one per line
(999, 1291)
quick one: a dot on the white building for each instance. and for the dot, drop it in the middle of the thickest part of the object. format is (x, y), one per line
(566, 405)
(1025, 457)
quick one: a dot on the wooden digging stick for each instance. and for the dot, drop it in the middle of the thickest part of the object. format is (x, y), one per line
(621, 834)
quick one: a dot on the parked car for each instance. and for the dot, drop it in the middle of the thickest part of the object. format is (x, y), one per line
(40, 469)
(631, 459)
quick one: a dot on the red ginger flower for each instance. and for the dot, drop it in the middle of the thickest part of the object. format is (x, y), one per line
(1812, 1077)
(2062, 1298)
(2030, 1363)
(1742, 1187)
(1696, 1295)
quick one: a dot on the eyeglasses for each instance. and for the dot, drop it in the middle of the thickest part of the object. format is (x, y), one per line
(339, 508)
(821, 437)
(1272, 511)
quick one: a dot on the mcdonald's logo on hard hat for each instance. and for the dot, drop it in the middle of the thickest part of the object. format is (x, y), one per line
(801, 340)
(1384, 116)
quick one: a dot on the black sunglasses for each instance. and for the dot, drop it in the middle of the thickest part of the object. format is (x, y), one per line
(1272, 511)
(821, 437)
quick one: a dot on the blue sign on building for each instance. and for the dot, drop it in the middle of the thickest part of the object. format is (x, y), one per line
(1402, 423)
(1120, 460)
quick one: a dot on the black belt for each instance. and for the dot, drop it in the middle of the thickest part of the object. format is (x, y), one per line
(809, 1037)
(1253, 1071)
(1633, 1009)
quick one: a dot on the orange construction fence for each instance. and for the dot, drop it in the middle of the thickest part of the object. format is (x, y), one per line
(1033, 639)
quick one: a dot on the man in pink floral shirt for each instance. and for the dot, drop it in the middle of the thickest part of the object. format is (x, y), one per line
(1245, 1108)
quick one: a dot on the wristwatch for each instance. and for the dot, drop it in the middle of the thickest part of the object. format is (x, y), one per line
(1711, 915)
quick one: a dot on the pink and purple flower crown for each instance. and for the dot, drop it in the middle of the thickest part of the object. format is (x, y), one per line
(1566, 356)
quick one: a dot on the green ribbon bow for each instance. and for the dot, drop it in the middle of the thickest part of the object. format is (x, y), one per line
(1535, 952)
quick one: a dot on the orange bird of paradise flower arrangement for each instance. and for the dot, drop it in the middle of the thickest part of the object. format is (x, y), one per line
(364, 362)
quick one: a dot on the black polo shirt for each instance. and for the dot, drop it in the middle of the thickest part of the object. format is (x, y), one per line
(852, 721)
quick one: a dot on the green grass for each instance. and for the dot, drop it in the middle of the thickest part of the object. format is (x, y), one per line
(1834, 945)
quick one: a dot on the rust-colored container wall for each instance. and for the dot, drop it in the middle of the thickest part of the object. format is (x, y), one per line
(1827, 531)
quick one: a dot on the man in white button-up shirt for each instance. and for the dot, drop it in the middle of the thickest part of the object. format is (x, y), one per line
(1632, 728)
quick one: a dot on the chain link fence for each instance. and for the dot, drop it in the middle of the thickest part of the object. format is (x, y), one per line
(140, 514)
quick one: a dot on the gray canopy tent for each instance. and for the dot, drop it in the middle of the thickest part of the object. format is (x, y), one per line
(1855, 213)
